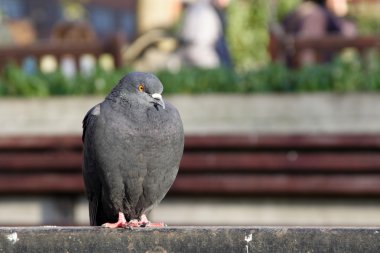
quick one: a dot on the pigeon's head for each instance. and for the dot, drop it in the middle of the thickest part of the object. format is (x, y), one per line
(145, 87)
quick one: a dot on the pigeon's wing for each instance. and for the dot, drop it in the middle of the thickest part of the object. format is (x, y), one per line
(90, 175)
(89, 120)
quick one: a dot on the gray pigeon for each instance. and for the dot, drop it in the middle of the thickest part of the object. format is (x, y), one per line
(133, 144)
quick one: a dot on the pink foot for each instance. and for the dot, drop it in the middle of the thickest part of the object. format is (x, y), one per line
(121, 222)
(156, 224)
(143, 222)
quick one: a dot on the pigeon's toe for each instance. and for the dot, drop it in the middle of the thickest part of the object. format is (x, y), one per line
(142, 222)
(156, 224)
(146, 223)
(121, 222)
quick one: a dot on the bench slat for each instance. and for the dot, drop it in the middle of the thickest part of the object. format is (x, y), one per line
(41, 183)
(207, 161)
(345, 141)
(47, 161)
(357, 141)
(40, 142)
(212, 184)
(284, 161)
(278, 184)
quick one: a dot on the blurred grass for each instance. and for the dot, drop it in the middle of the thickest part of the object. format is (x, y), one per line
(345, 74)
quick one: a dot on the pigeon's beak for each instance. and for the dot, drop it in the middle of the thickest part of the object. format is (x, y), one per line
(158, 99)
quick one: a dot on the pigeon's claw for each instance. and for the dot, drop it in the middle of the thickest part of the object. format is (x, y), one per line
(121, 222)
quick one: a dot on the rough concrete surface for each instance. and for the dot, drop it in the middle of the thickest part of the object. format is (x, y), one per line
(216, 113)
(190, 239)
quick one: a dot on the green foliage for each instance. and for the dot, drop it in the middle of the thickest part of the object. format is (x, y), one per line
(366, 17)
(345, 74)
(15, 82)
(199, 81)
(247, 33)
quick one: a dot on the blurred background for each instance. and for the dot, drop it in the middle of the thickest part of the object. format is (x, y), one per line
(279, 101)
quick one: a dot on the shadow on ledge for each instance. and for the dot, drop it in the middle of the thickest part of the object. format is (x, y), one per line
(189, 239)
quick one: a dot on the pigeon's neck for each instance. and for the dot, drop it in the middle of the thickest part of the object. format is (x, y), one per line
(117, 96)
(115, 92)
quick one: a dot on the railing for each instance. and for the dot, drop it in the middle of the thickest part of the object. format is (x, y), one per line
(190, 239)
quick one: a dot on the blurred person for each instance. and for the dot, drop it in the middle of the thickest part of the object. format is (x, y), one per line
(316, 19)
(202, 36)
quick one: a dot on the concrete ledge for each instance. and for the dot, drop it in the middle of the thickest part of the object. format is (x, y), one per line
(189, 239)
(214, 113)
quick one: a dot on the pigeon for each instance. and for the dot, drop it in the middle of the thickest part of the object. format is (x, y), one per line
(132, 146)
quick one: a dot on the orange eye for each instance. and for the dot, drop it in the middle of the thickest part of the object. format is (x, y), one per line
(141, 88)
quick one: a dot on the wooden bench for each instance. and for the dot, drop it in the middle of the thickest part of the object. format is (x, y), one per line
(286, 48)
(59, 50)
(227, 165)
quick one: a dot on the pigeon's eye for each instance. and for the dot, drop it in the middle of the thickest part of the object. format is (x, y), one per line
(141, 88)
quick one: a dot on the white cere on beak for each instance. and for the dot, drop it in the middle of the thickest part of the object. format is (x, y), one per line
(158, 97)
